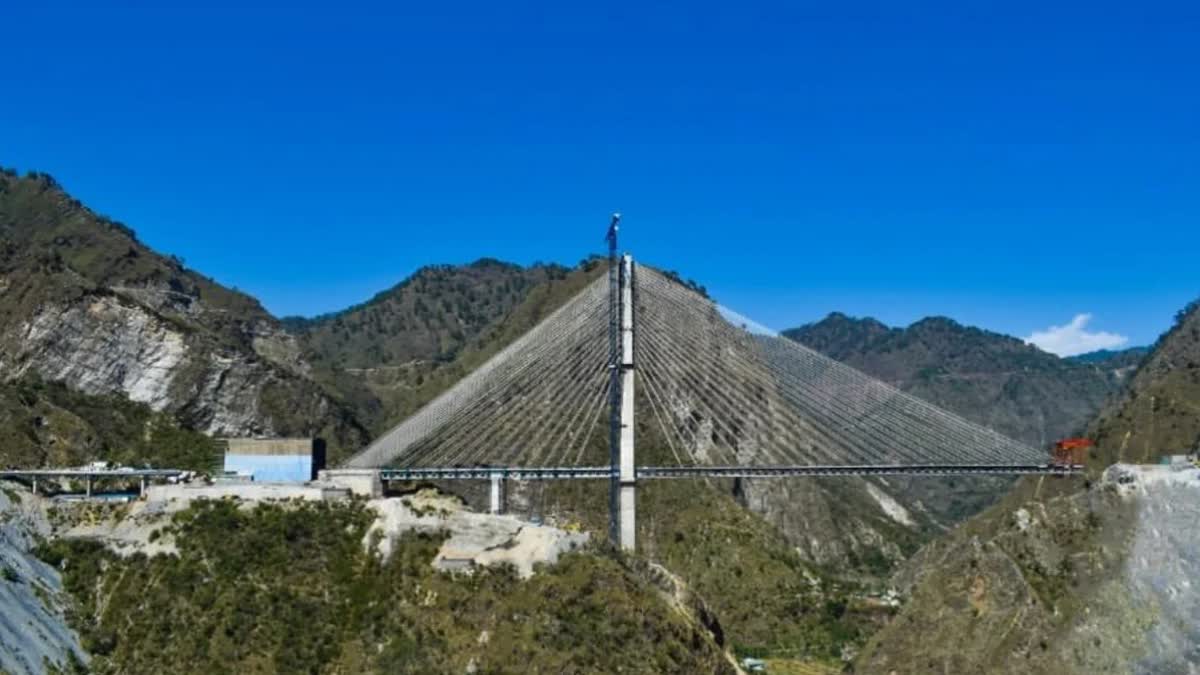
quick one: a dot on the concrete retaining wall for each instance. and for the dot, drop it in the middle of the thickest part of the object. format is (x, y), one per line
(246, 491)
(360, 482)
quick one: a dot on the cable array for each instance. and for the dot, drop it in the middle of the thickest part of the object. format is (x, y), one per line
(722, 390)
(535, 403)
(725, 390)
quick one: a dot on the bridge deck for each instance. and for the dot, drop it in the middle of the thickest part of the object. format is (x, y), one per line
(90, 473)
(89, 476)
(658, 472)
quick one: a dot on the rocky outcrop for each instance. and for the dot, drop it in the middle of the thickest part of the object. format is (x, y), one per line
(100, 346)
(471, 538)
(1162, 569)
(104, 344)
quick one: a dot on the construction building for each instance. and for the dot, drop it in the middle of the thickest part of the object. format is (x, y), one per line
(278, 460)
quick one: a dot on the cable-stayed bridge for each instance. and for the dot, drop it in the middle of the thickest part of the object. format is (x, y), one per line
(706, 391)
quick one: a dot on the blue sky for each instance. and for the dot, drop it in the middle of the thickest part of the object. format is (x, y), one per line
(1009, 165)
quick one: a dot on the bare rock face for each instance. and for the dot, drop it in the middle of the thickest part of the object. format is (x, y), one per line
(101, 346)
(279, 347)
(835, 522)
(1163, 568)
(104, 345)
(33, 628)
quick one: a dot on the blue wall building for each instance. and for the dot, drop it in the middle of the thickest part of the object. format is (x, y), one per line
(279, 460)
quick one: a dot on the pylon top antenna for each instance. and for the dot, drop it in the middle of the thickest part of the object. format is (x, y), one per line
(613, 226)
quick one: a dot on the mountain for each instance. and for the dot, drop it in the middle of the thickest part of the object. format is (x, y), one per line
(1113, 358)
(85, 303)
(112, 350)
(392, 354)
(82, 301)
(989, 378)
(1074, 576)
(429, 316)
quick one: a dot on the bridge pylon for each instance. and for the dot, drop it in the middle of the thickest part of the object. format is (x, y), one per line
(622, 500)
(626, 515)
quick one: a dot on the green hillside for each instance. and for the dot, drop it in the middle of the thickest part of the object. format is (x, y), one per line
(388, 357)
(292, 589)
(48, 424)
(1159, 414)
(430, 316)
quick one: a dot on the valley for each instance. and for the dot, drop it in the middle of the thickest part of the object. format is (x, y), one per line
(113, 352)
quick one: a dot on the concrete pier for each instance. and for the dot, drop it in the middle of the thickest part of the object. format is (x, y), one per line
(361, 482)
(497, 501)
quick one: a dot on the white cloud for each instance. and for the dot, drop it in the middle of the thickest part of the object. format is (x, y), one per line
(1073, 339)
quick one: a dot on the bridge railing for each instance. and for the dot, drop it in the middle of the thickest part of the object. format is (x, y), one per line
(663, 472)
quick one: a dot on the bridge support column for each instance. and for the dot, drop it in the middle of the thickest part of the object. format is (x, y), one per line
(627, 517)
(497, 492)
(89, 486)
(627, 502)
(35, 485)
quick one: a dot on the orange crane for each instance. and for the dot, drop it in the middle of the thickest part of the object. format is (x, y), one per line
(1071, 451)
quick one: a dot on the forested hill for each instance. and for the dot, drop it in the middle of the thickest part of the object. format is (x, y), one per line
(1130, 357)
(993, 379)
(431, 315)
(388, 356)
